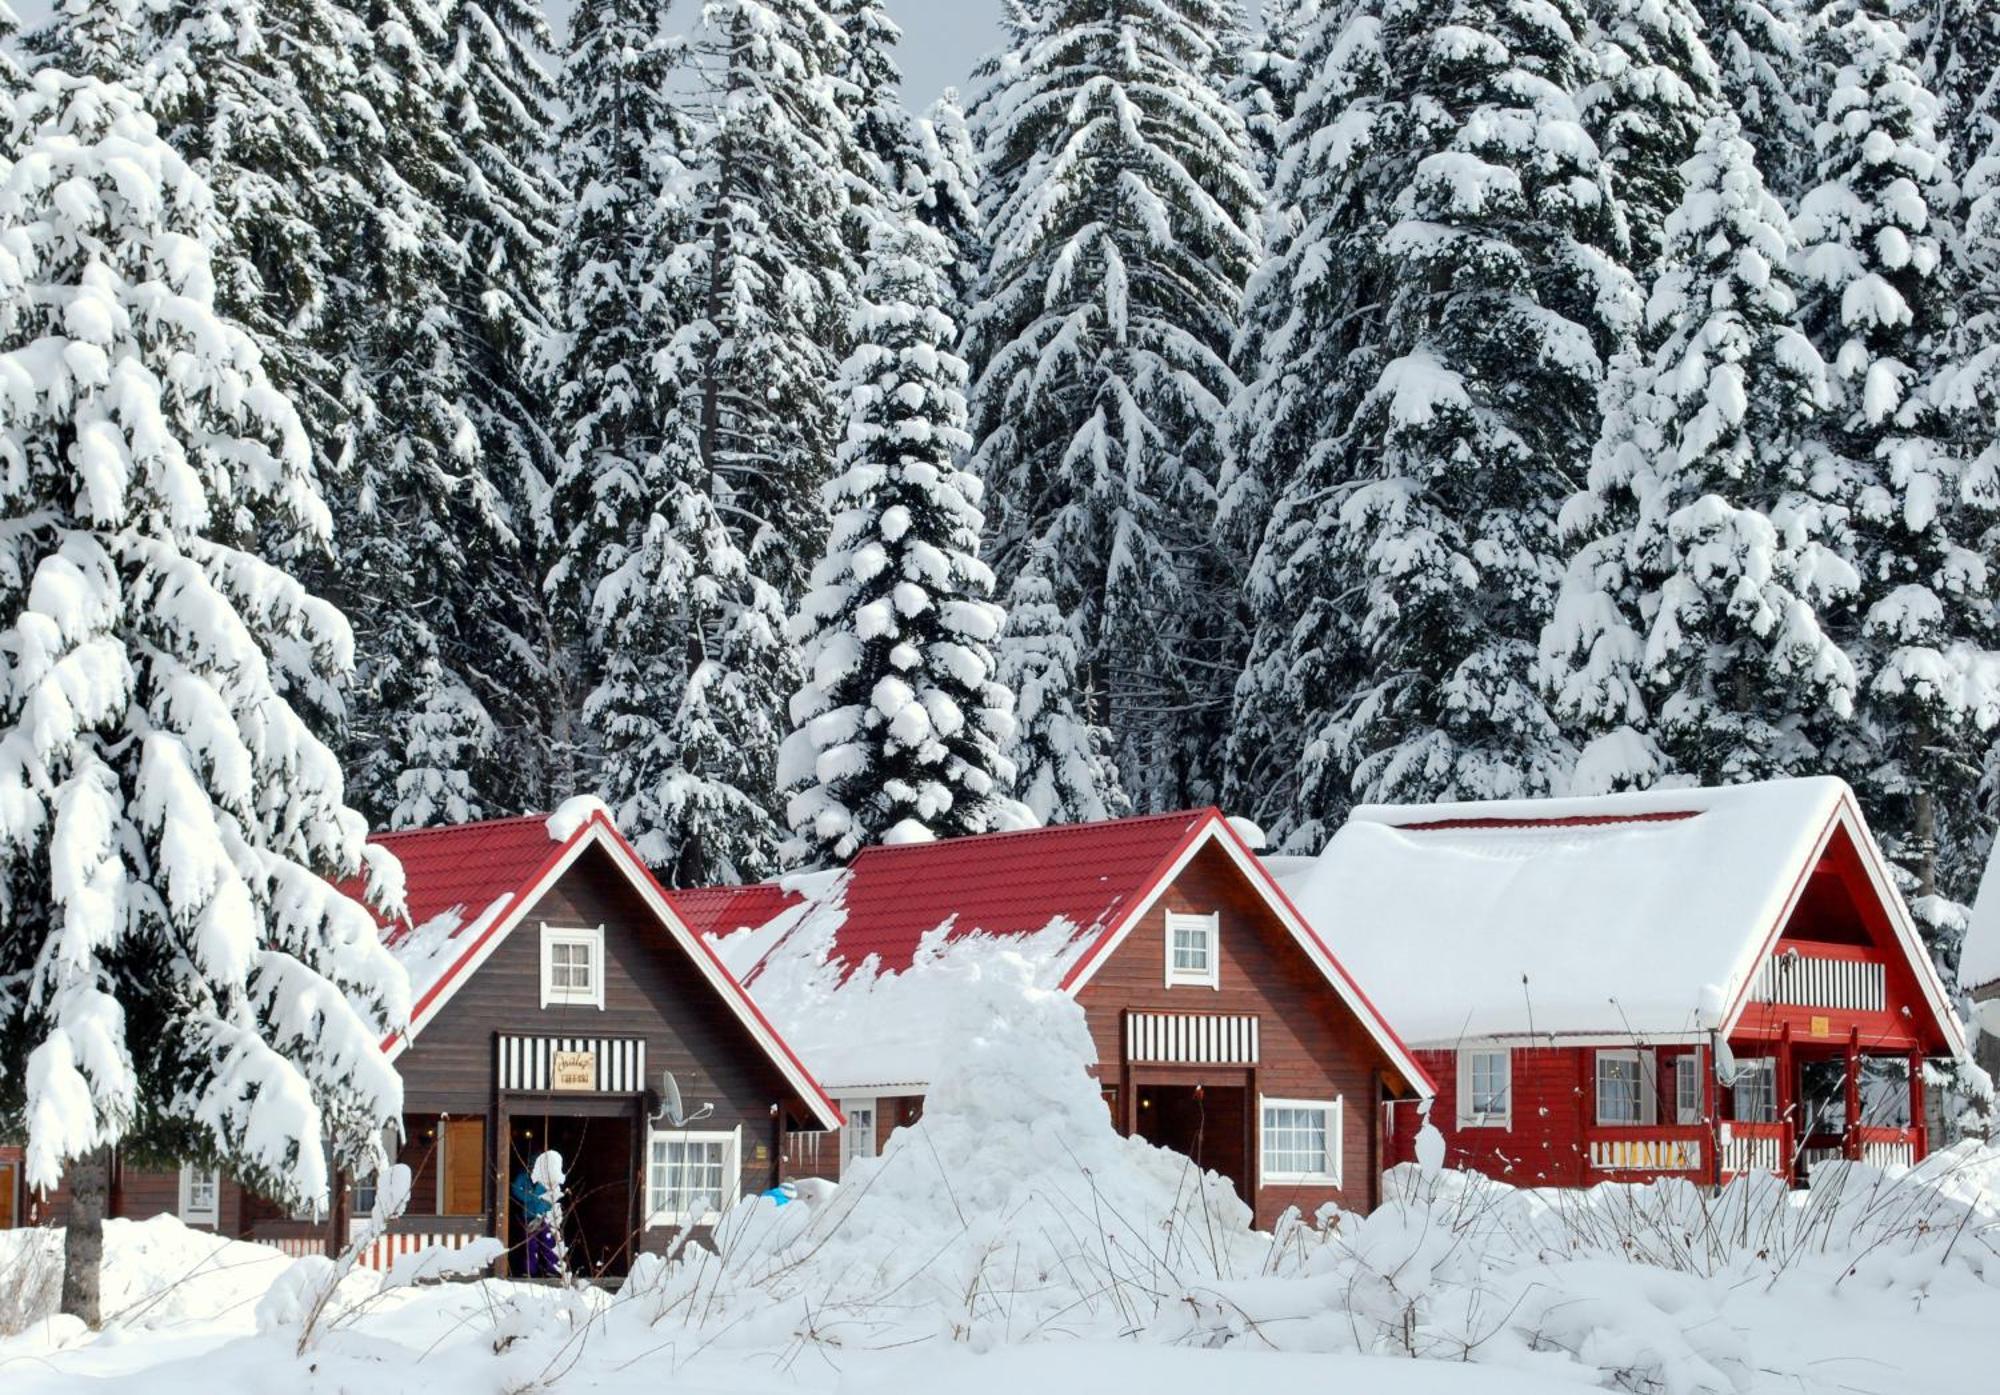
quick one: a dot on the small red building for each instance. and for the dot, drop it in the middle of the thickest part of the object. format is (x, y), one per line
(553, 987)
(1224, 1028)
(1688, 982)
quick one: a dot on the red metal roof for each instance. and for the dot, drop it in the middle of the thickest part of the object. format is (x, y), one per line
(468, 865)
(723, 910)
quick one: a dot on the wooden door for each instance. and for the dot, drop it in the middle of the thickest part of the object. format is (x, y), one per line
(463, 1168)
(8, 1187)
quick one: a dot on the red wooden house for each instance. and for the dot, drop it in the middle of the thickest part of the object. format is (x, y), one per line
(1224, 1028)
(552, 985)
(1690, 982)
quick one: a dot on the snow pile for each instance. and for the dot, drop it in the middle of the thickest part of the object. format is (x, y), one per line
(157, 1274)
(1012, 1211)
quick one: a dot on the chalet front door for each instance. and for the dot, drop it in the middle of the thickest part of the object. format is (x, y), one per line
(9, 1184)
(462, 1170)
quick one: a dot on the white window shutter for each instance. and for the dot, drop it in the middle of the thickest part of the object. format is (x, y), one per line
(1649, 1086)
(1464, 1088)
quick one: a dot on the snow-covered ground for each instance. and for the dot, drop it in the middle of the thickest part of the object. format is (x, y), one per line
(1013, 1242)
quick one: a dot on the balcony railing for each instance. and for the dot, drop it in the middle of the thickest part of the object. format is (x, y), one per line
(1794, 978)
(1753, 1148)
(1645, 1148)
(407, 1235)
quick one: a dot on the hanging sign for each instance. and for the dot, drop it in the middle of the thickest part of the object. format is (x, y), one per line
(573, 1070)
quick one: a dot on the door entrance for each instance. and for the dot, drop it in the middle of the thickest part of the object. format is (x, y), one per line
(598, 1167)
(1208, 1123)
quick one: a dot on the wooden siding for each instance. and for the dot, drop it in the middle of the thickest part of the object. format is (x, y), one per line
(1309, 1045)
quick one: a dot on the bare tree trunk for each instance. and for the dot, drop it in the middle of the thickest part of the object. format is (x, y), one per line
(83, 1235)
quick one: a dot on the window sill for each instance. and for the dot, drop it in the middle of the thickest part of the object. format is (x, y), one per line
(1293, 1179)
(1487, 1123)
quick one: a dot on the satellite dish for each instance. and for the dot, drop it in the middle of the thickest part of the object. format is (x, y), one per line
(671, 1108)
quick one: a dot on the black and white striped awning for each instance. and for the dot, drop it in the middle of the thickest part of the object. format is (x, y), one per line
(601, 1065)
(1191, 1038)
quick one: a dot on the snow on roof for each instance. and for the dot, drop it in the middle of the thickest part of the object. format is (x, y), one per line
(866, 970)
(1632, 914)
(1979, 957)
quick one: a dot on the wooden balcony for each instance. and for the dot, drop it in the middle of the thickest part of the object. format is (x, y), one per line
(1836, 977)
(1753, 1148)
(1645, 1148)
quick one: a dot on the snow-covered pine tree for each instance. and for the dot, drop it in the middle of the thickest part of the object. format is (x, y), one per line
(1874, 232)
(104, 39)
(1266, 77)
(1306, 355)
(1123, 230)
(899, 727)
(1691, 637)
(947, 193)
(882, 141)
(1759, 46)
(1499, 293)
(1063, 766)
(1656, 85)
(429, 544)
(645, 570)
(176, 965)
(771, 272)
(1960, 45)
(256, 95)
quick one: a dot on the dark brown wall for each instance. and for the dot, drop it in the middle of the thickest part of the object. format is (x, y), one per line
(1310, 1045)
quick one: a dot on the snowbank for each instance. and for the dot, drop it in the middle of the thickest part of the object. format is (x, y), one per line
(157, 1274)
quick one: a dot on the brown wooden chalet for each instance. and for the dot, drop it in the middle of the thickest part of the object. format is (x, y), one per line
(1693, 983)
(553, 987)
(1224, 1026)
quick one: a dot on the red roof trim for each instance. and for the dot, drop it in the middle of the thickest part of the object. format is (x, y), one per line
(1567, 821)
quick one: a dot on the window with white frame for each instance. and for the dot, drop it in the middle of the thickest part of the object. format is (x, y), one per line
(201, 1194)
(1687, 1088)
(1756, 1091)
(857, 1138)
(1301, 1141)
(691, 1178)
(1193, 949)
(1625, 1090)
(1485, 1088)
(572, 967)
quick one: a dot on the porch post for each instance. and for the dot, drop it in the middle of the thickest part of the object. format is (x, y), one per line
(1920, 1143)
(1851, 1142)
(1711, 1111)
(1787, 1110)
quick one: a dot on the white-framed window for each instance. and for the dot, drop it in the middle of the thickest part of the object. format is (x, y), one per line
(1625, 1088)
(1756, 1090)
(1688, 1097)
(857, 1136)
(201, 1194)
(572, 967)
(1485, 1088)
(1194, 945)
(1301, 1141)
(691, 1177)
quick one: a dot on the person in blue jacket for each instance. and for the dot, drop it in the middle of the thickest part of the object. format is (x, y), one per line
(533, 1199)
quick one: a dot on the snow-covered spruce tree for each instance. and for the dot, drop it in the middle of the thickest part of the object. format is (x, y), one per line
(1306, 355)
(1100, 350)
(899, 726)
(104, 39)
(1500, 295)
(947, 194)
(1267, 74)
(1656, 85)
(1063, 766)
(882, 141)
(1759, 46)
(645, 571)
(257, 95)
(1959, 41)
(176, 968)
(770, 271)
(1690, 637)
(1874, 233)
(430, 546)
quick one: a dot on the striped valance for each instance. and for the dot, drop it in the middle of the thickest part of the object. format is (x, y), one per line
(1191, 1038)
(604, 1065)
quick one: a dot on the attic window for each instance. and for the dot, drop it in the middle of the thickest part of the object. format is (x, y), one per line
(1193, 950)
(572, 967)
